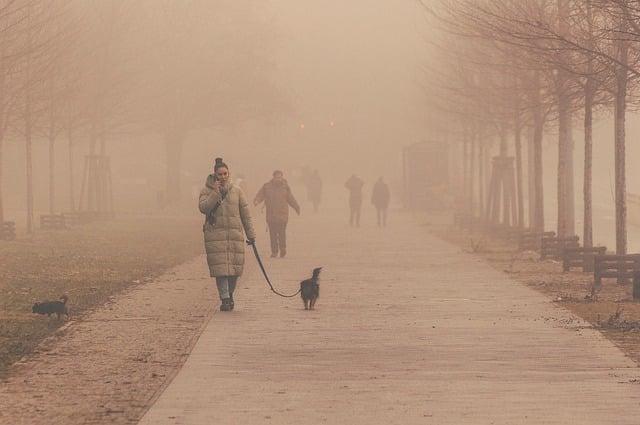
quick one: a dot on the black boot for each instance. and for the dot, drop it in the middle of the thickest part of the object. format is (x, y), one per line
(226, 305)
(231, 302)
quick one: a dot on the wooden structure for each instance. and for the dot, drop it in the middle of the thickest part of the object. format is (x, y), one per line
(553, 247)
(52, 222)
(621, 267)
(8, 231)
(532, 241)
(501, 196)
(581, 257)
(425, 173)
(96, 193)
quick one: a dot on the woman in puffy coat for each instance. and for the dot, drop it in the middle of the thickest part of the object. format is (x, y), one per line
(227, 216)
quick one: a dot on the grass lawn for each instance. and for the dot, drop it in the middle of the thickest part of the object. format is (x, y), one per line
(89, 264)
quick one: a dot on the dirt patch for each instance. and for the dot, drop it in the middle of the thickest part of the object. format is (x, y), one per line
(90, 264)
(610, 309)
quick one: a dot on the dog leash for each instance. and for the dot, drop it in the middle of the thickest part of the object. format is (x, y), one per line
(264, 272)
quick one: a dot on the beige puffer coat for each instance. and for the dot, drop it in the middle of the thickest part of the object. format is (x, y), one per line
(224, 240)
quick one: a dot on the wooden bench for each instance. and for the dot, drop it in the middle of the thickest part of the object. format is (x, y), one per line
(621, 267)
(531, 241)
(581, 257)
(77, 218)
(553, 247)
(8, 231)
(52, 222)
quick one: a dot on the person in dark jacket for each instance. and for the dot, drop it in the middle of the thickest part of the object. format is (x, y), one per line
(277, 197)
(380, 199)
(354, 185)
(315, 189)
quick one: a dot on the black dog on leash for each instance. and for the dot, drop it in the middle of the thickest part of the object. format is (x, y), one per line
(310, 289)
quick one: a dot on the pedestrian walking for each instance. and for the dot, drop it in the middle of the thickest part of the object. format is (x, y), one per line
(277, 197)
(380, 199)
(354, 185)
(227, 215)
(315, 189)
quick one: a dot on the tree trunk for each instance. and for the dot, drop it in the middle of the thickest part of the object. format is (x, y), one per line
(28, 126)
(620, 156)
(503, 185)
(472, 175)
(52, 139)
(538, 130)
(531, 183)
(481, 178)
(29, 164)
(52, 175)
(1, 203)
(504, 149)
(465, 171)
(587, 234)
(566, 195)
(72, 202)
(519, 188)
(566, 209)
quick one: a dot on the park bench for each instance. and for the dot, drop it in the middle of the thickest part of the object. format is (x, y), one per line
(552, 246)
(531, 241)
(8, 231)
(81, 217)
(621, 267)
(52, 222)
(581, 257)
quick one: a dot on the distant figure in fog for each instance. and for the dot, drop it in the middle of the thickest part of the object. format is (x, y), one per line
(354, 185)
(380, 199)
(315, 189)
(277, 196)
(227, 214)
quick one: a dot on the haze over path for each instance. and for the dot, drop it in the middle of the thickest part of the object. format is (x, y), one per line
(408, 330)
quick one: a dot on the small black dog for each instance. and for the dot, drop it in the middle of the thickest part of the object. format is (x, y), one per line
(52, 307)
(310, 289)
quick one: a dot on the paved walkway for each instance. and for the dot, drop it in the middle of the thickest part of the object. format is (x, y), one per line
(408, 330)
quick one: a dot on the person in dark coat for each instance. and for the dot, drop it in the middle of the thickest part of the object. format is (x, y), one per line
(354, 185)
(277, 197)
(315, 190)
(380, 199)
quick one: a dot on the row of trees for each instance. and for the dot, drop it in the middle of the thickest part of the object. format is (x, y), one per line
(90, 70)
(508, 67)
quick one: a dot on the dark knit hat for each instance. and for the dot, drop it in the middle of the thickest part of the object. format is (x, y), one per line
(219, 164)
